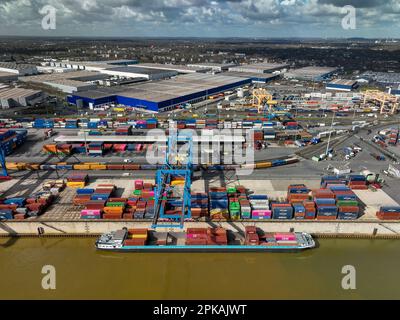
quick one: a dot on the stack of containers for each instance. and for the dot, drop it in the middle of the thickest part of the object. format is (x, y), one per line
(292, 125)
(251, 236)
(258, 135)
(43, 123)
(217, 237)
(298, 193)
(218, 204)
(282, 210)
(389, 213)
(123, 131)
(93, 125)
(211, 124)
(245, 207)
(358, 182)
(310, 210)
(71, 124)
(196, 237)
(394, 137)
(234, 207)
(200, 124)
(260, 206)
(136, 237)
(96, 148)
(82, 196)
(326, 204)
(151, 123)
(330, 180)
(121, 147)
(346, 201)
(141, 124)
(269, 134)
(115, 208)
(77, 180)
(299, 211)
(199, 203)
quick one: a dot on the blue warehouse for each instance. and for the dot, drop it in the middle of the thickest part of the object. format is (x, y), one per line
(161, 95)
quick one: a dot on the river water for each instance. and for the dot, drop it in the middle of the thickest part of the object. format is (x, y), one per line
(84, 273)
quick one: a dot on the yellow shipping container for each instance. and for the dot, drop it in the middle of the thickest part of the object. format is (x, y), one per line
(81, 167)
(76, 184)
(98, 167)
(178, 183)
(138, 236)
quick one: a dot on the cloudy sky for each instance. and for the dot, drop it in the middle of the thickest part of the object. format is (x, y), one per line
(202, 18)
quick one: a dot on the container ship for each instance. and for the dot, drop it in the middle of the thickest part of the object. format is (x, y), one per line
(204, 240)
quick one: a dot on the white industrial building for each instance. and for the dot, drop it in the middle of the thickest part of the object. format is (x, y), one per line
(19, 69)
(70, 86)
(17, 97)
(174, 67)
(218, 67)
(263, 67)
(8, 76)
(311, 73)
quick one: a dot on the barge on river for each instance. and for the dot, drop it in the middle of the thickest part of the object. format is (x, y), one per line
(204, 240)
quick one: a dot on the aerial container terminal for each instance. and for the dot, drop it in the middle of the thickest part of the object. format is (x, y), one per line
(91, 172)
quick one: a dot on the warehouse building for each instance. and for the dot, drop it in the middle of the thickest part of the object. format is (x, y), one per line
(139, 72)
(342, 85)
(8, 76)
(395, 91)
(96, 65)
(19, 69)
(217, 67)
(70, 86)
(69, 82)
(263, 67)
(255, 77)
(17, 97)
(173, 67)
(161, 95)
(311, 73)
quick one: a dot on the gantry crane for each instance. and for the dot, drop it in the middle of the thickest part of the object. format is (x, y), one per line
(4, 174)
(263, 101)
(384, 98)
(176, 165)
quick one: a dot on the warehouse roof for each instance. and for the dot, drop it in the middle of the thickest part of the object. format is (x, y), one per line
(138, 70)
(259, 66)
(15, 93)
(343, 82)
(179, 86)
(265, 76)
(311, 71)
(174, 67)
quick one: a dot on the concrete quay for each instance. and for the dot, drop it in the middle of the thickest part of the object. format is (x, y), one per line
(356, 229)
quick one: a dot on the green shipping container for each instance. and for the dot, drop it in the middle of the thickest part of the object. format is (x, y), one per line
(347, 203)
(115, 204)
(137, 192)
(231, 190)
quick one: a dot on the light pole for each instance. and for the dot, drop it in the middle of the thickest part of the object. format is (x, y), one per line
(330, 134)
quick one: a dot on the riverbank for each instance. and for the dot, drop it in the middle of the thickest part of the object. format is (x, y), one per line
(342, 229)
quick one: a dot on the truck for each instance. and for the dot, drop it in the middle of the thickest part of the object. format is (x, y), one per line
(48, 133)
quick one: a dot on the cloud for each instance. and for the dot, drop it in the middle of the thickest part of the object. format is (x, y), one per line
(193, 17)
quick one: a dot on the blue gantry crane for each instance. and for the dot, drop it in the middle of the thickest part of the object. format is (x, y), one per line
(4, 173)
(177, 164)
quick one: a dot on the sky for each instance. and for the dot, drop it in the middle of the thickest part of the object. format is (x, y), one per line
(202, 18)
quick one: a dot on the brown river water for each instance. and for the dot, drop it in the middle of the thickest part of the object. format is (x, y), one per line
(84, 273)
